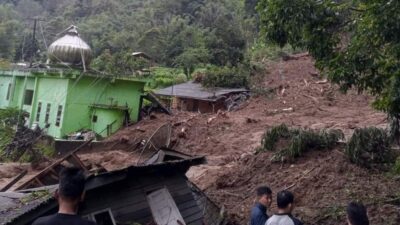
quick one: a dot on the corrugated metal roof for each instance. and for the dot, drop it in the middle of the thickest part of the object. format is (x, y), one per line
(196, 91)
(15, 204)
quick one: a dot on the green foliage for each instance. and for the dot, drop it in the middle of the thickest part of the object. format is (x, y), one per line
(9, 119)
(42, 194)
(191, 58)
(369, 147)
(273, 135)
(396, 166)
(233, 77)
(357, 43)
(175, 33)
(163, 77)
(261, 51)
(295, 142)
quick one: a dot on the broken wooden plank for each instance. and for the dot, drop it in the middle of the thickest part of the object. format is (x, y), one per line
(154, 99)
(48, 169)
(14, 181)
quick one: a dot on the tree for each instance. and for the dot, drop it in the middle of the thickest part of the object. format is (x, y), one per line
(356, 42)
(191, 58)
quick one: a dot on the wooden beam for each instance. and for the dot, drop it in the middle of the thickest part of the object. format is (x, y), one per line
(39, 181)
(49, 168)
(14, 181)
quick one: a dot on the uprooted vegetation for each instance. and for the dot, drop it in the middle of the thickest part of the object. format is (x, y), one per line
(370, 147)
(296, 141)
(19, 143)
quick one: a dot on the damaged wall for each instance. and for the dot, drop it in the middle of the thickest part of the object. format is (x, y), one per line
(195, 105)
(128, 203)
(63, 100)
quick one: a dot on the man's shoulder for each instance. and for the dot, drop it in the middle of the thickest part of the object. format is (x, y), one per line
(43, 220)
(283, 219)
(296, 221)
(54, 219)
(255, 209)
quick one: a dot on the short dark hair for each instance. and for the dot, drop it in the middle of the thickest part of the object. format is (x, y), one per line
(72, 183)
(284, 198)
(263, 190)
(357, 214)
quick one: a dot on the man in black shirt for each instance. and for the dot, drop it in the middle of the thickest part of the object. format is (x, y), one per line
(259, 212)
(69, 194)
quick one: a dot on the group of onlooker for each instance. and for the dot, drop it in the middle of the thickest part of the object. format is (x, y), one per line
(71, 192)
(356, 212)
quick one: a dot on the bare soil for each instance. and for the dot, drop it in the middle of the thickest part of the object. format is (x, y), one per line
(323, 181)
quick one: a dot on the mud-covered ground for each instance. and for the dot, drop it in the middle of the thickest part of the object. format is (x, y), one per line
(323, 181)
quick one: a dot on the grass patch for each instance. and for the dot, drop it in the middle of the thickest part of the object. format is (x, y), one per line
(296, 141)
(370, 148)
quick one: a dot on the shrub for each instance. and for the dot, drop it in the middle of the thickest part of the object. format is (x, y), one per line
(298, 141)
(396, 166)
(369, 147)
(273, 135)
(225, 77)
(164, 77)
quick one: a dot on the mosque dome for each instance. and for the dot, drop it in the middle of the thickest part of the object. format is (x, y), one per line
(70, 49)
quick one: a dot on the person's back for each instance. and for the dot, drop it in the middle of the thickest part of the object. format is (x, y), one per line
(285, 202)
(62, 219)
(69, 194)
(283, 219)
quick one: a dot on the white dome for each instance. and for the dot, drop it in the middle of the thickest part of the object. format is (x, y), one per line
(70, 48)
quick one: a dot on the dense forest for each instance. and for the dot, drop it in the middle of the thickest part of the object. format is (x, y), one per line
(176, 33)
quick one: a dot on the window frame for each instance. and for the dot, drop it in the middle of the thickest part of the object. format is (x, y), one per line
(30, 100)
(59, 115)
(8, 96)
(47, 115)
(38, 111)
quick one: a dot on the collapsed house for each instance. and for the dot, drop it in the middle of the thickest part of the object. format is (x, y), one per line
(64, 99)
(192, 96)
(153, 190)
(156, 193)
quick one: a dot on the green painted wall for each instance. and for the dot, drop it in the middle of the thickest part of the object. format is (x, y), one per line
(114, 119)
(76, 96)
(4, 84)
(52, 91)
(17, 91)
(88, 91)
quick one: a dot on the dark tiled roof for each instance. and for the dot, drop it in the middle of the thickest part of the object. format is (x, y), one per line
(196, 91)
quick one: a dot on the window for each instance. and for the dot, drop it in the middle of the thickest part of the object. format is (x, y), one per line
(28, 97)
(94, 119)
(104, 217)
(8, 92)
(46, 119)
(39, 109)
(58, 118)
(163, 208)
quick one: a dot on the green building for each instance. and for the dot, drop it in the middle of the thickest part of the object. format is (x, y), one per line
(65, 101)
